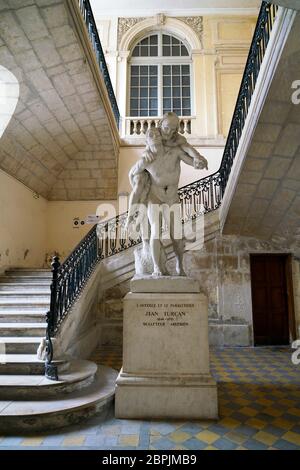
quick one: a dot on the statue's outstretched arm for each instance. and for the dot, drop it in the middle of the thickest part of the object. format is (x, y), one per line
(200, 161)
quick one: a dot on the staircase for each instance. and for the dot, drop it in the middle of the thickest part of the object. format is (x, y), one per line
(28, 400)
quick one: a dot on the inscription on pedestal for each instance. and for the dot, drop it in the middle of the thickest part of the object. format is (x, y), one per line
(160, 315)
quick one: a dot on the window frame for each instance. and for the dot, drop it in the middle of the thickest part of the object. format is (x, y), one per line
(159, 60)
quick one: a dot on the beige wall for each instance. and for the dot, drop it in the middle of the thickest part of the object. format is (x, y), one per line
(129, 155)
(62, 236)
(23, 225)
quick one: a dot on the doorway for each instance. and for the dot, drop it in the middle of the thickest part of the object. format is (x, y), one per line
(273, 318)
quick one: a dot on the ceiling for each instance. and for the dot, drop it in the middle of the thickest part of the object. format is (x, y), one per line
(266, 202)
(171, 7)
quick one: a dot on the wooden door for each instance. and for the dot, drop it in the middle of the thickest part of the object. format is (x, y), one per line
(269, 299)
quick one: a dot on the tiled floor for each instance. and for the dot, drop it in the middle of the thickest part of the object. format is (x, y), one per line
(259, 399)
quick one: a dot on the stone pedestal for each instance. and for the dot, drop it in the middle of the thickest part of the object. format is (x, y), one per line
(165, 370)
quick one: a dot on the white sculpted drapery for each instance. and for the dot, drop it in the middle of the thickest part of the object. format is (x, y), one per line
(154, 198)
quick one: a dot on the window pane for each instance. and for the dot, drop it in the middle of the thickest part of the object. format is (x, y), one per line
(186, 91)
(176, 103)
(167, 81)
(167, 103)
(144, 51)
(153, 92)
(153, 112)
(133, 104)
(143, 112)
(166, 39)
(133, 112)
(185, 69)
(144, 92)
(136, 51)
(177, 111)
(166, 69)
(145, 41)
(175, 51)
(134, 70)
(186, 112)
(153, 39)
(186, 103)
(153, 104)
(143, 104)
(175, 41)
(144, 69)
(176, 91)
(153, 81)
(176, 80)
(185, 80)
(134, 92)
(166, 51)
(176, 69)
(144, 81)
(134, 81)
(166, 92)
(184, 51)
(153, 51)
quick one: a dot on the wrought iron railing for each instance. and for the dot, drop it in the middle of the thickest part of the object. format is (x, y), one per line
(89, 19)
(202, 196)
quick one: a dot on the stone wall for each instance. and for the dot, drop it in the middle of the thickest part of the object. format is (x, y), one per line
(222, 267)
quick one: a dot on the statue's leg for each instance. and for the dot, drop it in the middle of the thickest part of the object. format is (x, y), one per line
(155, 245)
(177, 238)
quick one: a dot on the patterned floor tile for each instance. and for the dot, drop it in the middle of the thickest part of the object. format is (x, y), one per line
(259, 408)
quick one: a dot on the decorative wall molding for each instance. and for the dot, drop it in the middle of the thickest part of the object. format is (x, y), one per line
(195, 22)
(124, 24)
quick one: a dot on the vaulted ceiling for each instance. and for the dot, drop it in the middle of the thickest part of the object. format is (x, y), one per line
(59, 141)
(266, 202)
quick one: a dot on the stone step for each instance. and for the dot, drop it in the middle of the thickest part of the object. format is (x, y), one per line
(5, 280)
(25, 278)
(26, 269)
(23, 364)
(15, 287)
(23, 329)
(22, 297)
(22, 316)
(30, 415)
(28, 272)
(40, 307)
(79, 374)
(19, 344)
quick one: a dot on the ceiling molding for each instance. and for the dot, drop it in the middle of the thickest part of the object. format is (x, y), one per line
(145, 12)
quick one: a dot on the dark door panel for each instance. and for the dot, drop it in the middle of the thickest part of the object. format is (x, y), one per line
(269, 299)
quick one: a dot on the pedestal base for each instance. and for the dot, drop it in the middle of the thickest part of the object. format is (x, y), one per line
(165, 353)
(161, 397)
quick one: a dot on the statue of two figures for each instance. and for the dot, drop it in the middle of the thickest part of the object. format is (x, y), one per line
(154, 205)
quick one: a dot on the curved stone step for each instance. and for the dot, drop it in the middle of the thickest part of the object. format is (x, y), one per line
(19, 344)
(23, 364)
(30, 415)
(22, 329)
(41, 273)
(80, 374)
(12, 280)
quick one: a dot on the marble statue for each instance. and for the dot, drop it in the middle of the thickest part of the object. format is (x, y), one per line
(154, 179)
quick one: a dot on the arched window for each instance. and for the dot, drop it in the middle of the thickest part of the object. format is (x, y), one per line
(160, 76)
